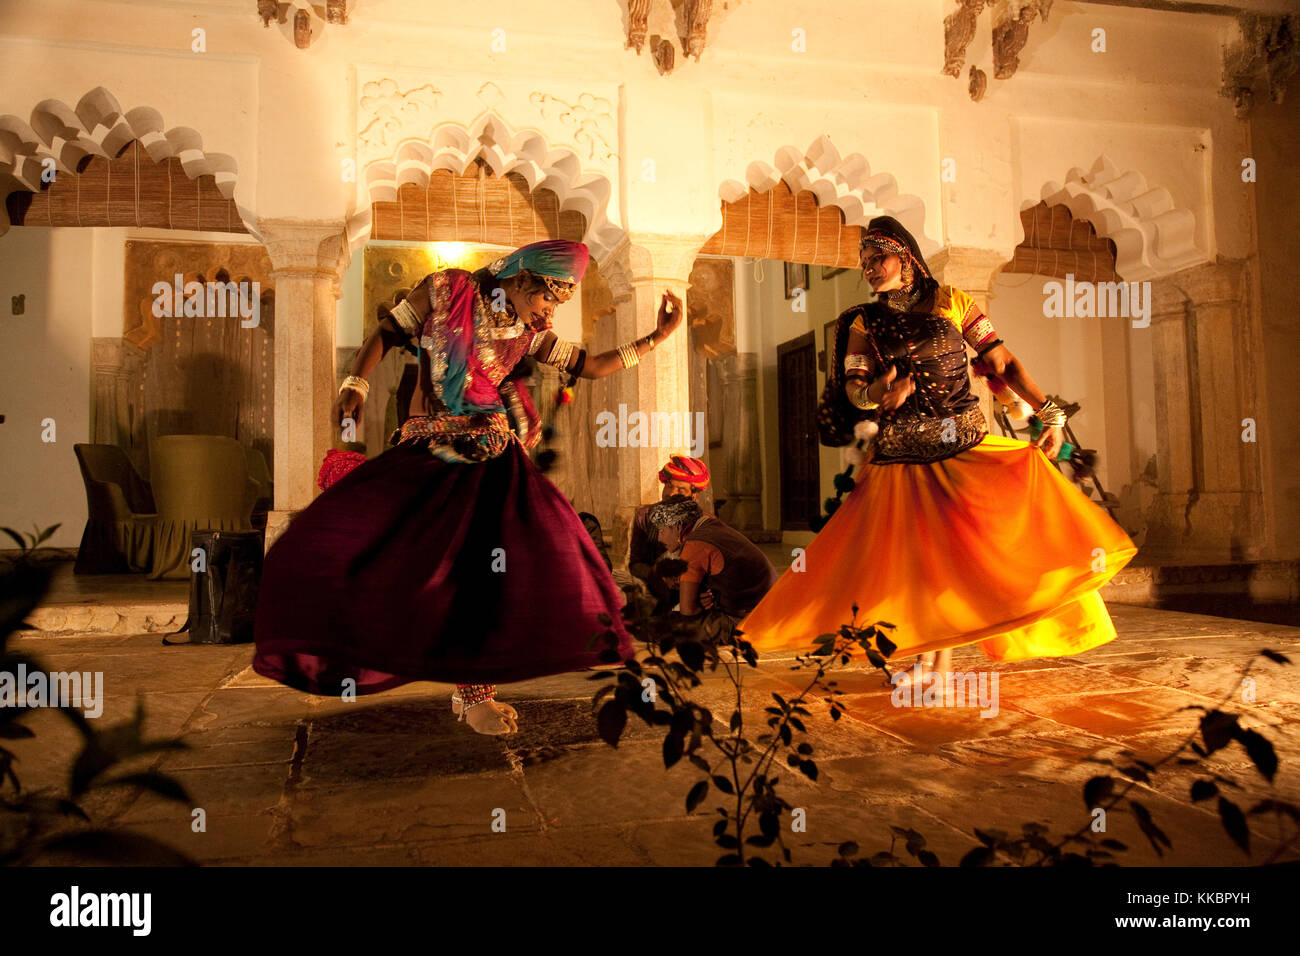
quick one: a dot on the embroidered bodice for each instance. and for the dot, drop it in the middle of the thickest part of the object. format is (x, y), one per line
(942, 416)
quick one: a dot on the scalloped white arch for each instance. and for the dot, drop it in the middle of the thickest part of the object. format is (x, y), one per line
(844, 182)
(1152, 236)
(455, 147)
(99, 127)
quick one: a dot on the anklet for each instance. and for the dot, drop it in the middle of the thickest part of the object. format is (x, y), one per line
(471, 695)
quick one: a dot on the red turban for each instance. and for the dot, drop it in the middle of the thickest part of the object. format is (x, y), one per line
(692, 471)
(336, 465)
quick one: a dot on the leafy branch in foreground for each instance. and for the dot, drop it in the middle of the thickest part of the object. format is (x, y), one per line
(36, 824)
(655, 685)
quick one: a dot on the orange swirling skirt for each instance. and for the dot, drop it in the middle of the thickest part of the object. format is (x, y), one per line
(993, 546)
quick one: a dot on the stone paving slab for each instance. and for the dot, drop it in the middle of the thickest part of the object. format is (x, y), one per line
(287, 778)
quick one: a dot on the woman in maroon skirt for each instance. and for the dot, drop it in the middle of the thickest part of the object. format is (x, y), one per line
(450, 557)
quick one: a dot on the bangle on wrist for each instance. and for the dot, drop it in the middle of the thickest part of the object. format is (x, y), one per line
(357, 384)
(628, 356)
(1051, 414)
(861, 398)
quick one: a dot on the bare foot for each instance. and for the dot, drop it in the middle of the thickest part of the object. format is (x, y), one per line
(492, 718)
(916, 672)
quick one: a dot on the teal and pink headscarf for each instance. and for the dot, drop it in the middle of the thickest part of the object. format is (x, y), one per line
(560, 263)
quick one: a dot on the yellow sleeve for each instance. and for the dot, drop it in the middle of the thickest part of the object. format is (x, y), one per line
(966, 314)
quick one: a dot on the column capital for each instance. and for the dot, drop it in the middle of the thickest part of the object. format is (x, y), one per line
(969, 268)
(651, 258)
(313, 249)
(1212, 283)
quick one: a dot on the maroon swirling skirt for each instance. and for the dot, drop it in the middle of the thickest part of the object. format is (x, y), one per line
(410, 568)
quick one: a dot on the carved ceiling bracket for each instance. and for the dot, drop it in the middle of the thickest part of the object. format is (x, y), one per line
(1011, 31)
(692, 17)
(958, 31)
(1011, 21)
(331, 12)
(1264, 45)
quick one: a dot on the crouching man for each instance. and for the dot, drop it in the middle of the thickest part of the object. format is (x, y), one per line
(724, 569)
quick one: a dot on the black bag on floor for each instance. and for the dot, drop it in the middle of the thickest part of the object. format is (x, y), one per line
(223, 598)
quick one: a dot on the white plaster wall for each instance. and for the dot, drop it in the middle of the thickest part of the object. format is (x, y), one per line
(107, 279)
(48, 376)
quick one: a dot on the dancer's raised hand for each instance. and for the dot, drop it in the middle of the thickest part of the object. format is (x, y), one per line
(669, 320)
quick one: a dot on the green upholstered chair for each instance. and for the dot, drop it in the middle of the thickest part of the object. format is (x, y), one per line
(261, 474)
(119, 532)
(200, 482)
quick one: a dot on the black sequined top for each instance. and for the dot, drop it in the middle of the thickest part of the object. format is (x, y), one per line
(941, 417)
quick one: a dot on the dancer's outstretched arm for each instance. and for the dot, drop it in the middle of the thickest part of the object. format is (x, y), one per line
(1010, 369)
(670, 316)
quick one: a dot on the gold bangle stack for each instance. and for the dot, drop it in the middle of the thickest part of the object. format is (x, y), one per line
(357, 385)
(561, 353)
(628, 356)
(1051, 414)
(860, 397)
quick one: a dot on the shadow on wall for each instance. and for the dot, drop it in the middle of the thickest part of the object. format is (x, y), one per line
(195, 396)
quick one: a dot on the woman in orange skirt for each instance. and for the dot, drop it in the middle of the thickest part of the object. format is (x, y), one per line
(953, 535)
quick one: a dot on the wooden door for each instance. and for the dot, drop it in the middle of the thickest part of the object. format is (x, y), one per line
(799, 470)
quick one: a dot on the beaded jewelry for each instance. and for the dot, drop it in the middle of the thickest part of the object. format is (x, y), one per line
(471, 695)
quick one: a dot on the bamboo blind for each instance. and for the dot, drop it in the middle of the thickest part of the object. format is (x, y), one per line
(475, 208)
(130, 190)
(1057, 244)
(779, 224)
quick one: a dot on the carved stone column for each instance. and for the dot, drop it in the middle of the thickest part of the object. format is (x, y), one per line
(744, 468)
(117, 409)
(308, 259)
(1208, 508)
(639, 272)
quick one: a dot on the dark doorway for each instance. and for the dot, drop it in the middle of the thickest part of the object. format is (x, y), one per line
(796, 391)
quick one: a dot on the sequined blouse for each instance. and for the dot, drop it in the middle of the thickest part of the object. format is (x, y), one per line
(468, 349)
(941, 417)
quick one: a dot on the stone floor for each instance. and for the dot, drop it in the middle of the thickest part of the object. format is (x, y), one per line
(286, 778)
